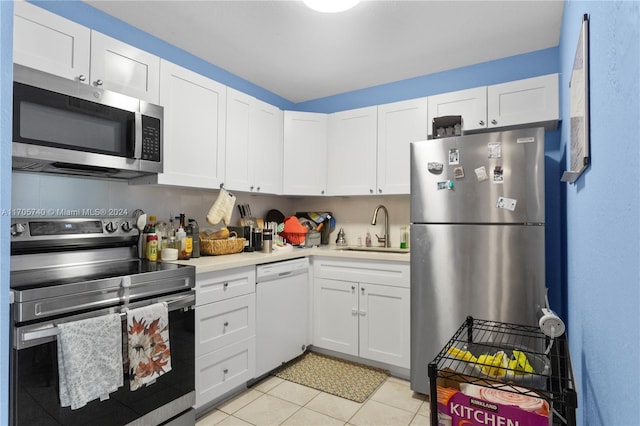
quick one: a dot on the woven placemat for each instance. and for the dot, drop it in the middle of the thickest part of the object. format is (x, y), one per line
(335, 376)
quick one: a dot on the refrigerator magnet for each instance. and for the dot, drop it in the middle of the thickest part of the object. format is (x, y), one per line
(454, 156)
(506, 203)
(498, 176)
(481, 174)
(495, 149)
(435, 167)
(443, 185)
(458, 172)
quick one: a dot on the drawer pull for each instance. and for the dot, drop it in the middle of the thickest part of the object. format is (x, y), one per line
(225, 371)
(226, 324)
(225, 285)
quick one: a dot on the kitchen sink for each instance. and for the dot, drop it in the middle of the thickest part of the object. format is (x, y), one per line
(377, 249)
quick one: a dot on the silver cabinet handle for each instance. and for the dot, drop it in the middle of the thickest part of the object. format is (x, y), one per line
(494, 122)
(380, 190)
(81, 77)
(353, 287)
(322, 192)
(481, 122)
(226, 324)
(98, 83)
(225, 371)
(370, 190)
(225, 285)
(362, 290)
(258, 189)
(251, 188)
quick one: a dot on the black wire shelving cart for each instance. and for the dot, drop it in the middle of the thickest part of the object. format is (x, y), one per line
(551, 379)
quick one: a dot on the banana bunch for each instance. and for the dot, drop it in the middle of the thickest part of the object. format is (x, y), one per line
(497, 364)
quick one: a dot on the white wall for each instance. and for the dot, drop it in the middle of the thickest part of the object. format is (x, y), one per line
(60, 195)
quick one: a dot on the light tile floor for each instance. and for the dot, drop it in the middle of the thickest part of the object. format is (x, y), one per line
(274, 401)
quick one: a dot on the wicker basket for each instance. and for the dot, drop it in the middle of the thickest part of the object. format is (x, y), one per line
(219, 247)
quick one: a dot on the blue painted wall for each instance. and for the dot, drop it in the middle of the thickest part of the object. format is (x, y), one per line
(6, 108)
(603, 213)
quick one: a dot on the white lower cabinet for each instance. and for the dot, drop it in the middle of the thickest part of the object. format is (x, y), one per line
(225, 329)
(362, 308)
(221, 371)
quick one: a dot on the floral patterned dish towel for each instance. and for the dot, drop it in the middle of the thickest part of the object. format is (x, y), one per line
(148, 342)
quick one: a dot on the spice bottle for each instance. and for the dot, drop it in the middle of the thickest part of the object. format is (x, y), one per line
(181, 242)
(152, 245)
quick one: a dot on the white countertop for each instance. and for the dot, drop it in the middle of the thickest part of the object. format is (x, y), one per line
(228, 261)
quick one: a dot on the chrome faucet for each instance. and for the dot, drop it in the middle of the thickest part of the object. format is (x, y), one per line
(385, 238)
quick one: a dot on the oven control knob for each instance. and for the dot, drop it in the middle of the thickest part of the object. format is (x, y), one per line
(110, 227)
(126, 226)
(17, 229)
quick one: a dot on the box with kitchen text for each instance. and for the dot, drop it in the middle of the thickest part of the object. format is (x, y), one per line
(468, 404)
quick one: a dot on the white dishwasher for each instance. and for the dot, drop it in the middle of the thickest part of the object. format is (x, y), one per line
(282, 313)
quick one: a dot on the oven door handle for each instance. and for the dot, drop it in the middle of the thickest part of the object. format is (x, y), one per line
(48, 331)
(186, 301)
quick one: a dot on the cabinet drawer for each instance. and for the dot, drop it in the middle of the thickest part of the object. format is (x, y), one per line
(221, 285)
(223, 323)
(223, 370)
(370, 271)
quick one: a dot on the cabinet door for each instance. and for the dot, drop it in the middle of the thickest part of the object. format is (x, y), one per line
(194, 127)
(399, 123)
(50, 43)
(305, 153)
(471, 104)
(533, 100)
(123, 68)
(384, 324)
(224, 370)
(266, 148)
(237, 166)
(351, 152)
(336, 315)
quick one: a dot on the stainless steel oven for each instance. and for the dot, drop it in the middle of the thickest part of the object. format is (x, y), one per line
(64, 270)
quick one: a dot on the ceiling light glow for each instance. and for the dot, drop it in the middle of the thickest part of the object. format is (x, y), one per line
(331, 6)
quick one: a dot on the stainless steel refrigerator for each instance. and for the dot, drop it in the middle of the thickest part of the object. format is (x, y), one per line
(477, 236)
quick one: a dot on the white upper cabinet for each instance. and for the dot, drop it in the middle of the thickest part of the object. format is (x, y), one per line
(399, 124)
(53, 44)
(267, 138)
(305, 153)
(532, 100)
(471, 104)
(194, 128)
(253, 145)
(351, 152)
(122, 68)
(50, 43)
(238, 144)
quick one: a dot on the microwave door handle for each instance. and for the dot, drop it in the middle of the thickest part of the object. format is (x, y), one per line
(137, 148)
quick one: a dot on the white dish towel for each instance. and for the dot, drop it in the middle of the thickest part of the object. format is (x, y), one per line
(148, 342)
(89, 360)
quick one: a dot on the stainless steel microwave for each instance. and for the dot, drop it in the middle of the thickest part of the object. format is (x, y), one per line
(69, 127)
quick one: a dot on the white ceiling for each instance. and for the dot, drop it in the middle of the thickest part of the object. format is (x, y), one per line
(299, 54)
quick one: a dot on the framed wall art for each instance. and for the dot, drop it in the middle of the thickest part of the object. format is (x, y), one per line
(579, 107)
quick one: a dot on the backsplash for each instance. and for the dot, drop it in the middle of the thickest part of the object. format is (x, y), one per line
(71, 196)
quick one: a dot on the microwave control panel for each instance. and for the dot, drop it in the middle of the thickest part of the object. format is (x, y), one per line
(151, 141)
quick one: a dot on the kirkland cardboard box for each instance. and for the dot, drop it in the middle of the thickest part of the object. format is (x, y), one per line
(465, 404)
